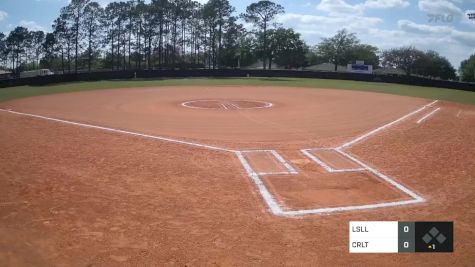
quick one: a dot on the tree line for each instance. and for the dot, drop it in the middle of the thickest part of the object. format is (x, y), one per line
(186, 34)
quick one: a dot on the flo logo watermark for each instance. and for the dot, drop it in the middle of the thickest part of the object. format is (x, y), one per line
(440, 18)
(471, 16)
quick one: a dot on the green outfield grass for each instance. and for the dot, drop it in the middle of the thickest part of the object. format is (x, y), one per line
(397, 89)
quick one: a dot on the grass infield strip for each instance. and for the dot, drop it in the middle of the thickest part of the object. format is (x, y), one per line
(451, 95)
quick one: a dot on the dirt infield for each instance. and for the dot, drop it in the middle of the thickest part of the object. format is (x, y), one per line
(298, 116)
(72, 195)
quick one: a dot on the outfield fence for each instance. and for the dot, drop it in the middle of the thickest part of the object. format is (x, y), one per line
(234, 73)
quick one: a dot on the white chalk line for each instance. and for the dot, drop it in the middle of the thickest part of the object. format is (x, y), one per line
(272, 204)
(432, 104)
(278, 210)
(188, 104)
(268, 198)
(166, 139)
(268, 105)
(427, 116)
(235, 106)
(328, 168)
(384, 177)
(294, 213)
(256, 151)
(348, 170)
(415, 197)
(316, 159)
(375, 131)
(284, 162)
(278, 157)
(275, 173)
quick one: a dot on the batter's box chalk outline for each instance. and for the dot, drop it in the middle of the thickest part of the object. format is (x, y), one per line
(280, 210)
(274, 207)
(328, 168)
(290, 170)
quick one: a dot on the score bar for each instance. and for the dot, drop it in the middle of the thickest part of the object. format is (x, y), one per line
(400, 237)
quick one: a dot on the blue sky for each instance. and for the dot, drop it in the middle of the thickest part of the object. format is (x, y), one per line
(383, 23)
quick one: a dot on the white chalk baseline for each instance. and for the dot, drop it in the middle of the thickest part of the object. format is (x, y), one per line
(255, 177)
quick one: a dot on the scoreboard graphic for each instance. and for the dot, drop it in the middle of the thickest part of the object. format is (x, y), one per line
(400, 237)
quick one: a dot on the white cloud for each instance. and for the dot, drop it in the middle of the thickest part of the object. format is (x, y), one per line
(453, 46)
(462, 37)
(314, 28)
(3, 15)
(32, 25)
(386, 3)
(307, 22)
(439, 7)
(413, 27)
(467, 38)
(447, 40)
(339, 7)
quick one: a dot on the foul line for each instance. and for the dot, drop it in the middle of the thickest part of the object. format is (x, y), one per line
(375, 131)
(272, 204)
(166, 139)
(427, 116)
